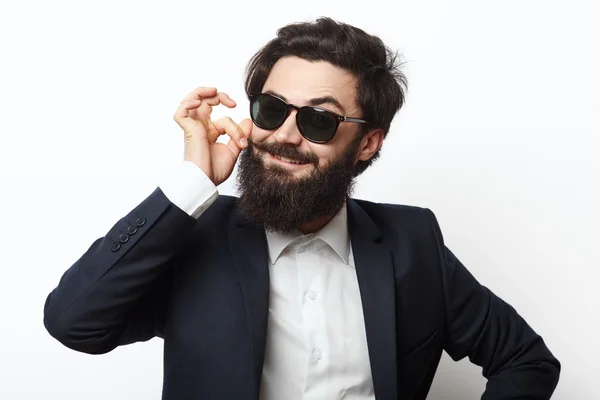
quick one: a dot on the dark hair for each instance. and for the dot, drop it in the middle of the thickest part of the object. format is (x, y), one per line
(380, 83)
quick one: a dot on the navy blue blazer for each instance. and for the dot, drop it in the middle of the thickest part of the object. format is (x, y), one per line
(203, 286)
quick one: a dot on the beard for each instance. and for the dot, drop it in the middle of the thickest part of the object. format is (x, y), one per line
(273, 197)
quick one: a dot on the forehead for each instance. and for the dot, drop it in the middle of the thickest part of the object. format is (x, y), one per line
(299, 80)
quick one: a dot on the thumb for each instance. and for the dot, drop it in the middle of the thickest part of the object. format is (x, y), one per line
(246, 126)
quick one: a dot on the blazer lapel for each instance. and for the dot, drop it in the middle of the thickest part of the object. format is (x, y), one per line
(375, 272)
(249, 250)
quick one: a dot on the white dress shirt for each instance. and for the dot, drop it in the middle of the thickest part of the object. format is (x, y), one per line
(316, 342)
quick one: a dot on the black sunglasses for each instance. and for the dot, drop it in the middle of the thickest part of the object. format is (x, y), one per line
(315, 124)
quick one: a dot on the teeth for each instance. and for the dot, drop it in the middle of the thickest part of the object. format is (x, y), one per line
(288, 160)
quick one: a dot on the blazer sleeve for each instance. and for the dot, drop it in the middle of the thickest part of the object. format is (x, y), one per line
(480, 325)
(116, 292)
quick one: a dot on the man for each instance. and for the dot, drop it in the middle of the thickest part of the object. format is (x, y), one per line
(294, 290)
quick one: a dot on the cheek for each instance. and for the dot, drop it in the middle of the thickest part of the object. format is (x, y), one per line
(325, 153)
(259, 135)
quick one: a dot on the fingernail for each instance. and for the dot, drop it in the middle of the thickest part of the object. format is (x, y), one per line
(243, 142)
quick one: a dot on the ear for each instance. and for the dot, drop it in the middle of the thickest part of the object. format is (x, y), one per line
(370, 144)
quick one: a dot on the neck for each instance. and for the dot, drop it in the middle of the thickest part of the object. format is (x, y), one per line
(315, 225)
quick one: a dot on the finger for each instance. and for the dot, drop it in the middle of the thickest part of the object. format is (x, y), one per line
(184, 118)
(226, 100)
(205, 109)
(220, 98)
(213, 132)
(246, 126)
(200, 93)
(227, 126)
(185, 107)
(234, 148)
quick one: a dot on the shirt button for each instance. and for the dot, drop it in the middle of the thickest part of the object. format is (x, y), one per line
(317, 354)
(312, 295)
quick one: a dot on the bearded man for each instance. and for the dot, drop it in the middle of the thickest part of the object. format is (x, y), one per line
(294, 290)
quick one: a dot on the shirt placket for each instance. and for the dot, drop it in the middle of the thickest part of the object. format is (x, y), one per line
(311, 277)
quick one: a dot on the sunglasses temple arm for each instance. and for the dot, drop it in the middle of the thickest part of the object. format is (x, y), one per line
(350, 119)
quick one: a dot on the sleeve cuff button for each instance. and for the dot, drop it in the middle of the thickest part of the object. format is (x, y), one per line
(115, 246)
(140, 221)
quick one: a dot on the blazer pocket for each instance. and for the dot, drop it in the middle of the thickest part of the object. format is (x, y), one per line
(417, 368)
(431, 339)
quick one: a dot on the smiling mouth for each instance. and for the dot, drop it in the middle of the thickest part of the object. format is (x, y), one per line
(287, 160)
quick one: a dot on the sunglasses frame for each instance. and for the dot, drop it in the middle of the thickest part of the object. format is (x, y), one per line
(338, 118)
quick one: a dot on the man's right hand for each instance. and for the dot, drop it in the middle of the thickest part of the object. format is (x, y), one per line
(200, 133)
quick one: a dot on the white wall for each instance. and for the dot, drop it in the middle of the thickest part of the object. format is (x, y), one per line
(499, 137)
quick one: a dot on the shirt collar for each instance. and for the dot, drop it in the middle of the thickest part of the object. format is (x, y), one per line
(335, 234)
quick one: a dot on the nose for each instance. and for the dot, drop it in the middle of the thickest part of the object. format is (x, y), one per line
(288, 132)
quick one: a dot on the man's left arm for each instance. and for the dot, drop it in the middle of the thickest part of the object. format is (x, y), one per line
(480, 325)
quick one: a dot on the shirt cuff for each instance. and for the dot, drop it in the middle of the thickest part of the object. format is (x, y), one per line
(188, 187)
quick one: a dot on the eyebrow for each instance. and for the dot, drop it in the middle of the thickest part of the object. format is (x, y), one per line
(317, 101)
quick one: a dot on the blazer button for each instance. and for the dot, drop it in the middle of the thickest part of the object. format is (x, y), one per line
(115, 246)
(131, 229)
(140, 221)
(123, 238)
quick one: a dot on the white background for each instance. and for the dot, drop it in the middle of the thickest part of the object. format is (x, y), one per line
(499, 137)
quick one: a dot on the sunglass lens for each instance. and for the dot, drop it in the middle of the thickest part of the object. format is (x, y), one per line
(317, 125)
(268, 112)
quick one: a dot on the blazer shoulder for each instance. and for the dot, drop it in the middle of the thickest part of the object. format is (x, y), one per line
(393, 213)
(401, 220)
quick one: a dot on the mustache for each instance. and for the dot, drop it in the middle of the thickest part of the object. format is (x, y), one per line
(286, 150)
